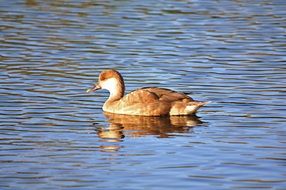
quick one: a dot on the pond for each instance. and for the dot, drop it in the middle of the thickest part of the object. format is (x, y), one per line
(54, 135)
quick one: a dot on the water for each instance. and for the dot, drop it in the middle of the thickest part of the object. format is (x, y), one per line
(55, 136)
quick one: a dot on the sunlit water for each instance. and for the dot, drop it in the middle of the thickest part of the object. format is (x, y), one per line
(54, 136)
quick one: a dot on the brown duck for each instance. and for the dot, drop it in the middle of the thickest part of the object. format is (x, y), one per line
(148, 101)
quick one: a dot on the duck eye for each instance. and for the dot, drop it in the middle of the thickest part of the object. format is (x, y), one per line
(102, 77)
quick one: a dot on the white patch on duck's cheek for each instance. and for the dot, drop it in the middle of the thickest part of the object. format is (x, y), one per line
(110, 85)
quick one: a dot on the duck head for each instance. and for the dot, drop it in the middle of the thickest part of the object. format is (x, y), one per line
(110, 80)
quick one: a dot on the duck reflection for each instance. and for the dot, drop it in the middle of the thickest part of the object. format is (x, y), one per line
(138, 126)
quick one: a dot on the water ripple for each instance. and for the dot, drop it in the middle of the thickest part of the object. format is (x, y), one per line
(54, 135)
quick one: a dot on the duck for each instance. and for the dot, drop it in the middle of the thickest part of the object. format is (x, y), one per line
(146, 101)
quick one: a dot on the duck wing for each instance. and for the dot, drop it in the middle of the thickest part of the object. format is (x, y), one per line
(164, 94)
(140, 96)
(151, 101)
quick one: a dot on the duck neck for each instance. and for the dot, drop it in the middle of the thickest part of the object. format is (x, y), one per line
(117, 92)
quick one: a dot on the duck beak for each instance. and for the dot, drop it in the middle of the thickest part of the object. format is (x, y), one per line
(93, 88)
